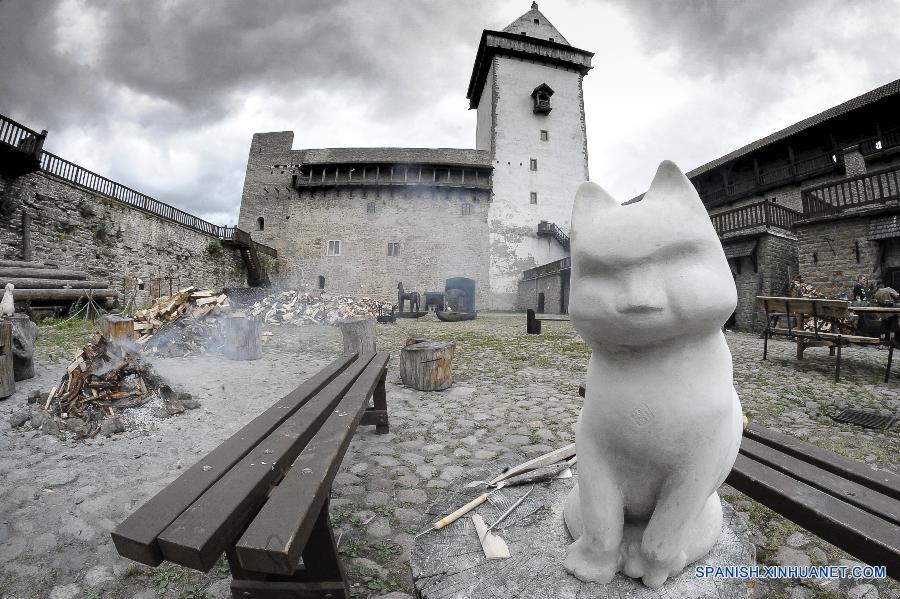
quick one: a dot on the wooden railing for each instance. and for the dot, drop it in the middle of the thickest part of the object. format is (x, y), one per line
(241, 237)
(770, 177)
(760, 214)
(874, 188)
(551, 230)
(888, 139)
(21, 137)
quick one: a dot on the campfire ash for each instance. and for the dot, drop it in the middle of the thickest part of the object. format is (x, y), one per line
(304, 308)
(104, 381)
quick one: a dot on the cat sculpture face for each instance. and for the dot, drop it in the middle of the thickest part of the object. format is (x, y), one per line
(648, 271)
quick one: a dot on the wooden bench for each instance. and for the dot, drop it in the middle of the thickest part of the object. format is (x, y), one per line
(821, 311)
(839, 500)
(262, 496)
(842, 501)
(533, 320)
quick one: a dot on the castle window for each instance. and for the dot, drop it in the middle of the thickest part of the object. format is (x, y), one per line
(537, 21)
(541, 96)
(532, 164)
(321, 282)
(260, 224)
(394, 249)
(534, 197)
(466, 209)
(545, 135)
(370, 208)
(552, 40)
(334, 247)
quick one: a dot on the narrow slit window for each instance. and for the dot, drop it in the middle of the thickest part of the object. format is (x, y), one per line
(533, 164)
(534, 197)
(545, 135)
(260, 224)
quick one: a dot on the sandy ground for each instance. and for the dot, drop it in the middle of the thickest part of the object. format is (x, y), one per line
(514, 397)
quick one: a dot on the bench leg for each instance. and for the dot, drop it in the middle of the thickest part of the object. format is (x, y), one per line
(887, 371)
(765, 344)
(320, 556)
(379, 402)
(837, 369)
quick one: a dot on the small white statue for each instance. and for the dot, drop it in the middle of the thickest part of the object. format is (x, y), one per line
(7, 308)
(661, 423)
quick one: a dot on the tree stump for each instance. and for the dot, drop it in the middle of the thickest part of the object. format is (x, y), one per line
(243, 340)
(24, 334)
(359, 335)
(427, 365)
(7, 373)
(118, 330)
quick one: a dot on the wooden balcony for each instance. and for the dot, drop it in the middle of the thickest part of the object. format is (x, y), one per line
(870, 191)
(20, 148)
(759, 215)
(393, 175)
(771, 178)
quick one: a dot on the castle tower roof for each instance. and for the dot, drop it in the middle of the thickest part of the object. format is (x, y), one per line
(535, 24)
(531, 37)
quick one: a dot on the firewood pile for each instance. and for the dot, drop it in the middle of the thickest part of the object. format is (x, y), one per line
(181, 324)
(304, 308)
(102, 382)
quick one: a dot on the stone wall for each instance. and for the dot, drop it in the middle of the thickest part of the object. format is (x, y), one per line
(554, 285)
(86, 231)
(828, 253)
(776, 264)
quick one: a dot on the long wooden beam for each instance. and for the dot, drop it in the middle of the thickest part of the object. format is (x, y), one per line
(53, 283)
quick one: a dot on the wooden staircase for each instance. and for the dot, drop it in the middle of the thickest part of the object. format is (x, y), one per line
(546, 229)
(250, 250)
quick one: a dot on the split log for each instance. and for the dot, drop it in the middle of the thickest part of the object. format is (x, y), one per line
(7, 372)
(33, 283)
(25, 264)
(427, 366)
(24, 333)
(118, 330)
(359, 335)
(9, 272)
(243, 340)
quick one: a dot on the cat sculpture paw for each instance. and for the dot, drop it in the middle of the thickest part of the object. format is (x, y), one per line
(587, 562)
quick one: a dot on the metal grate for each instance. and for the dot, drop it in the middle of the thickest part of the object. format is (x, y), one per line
(865, 418)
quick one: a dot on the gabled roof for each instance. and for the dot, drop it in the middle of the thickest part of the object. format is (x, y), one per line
(885, 91)
(535, 24)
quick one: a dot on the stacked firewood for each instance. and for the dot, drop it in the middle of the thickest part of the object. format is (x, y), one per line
(182, 324)
(304, 308)
(102, 380)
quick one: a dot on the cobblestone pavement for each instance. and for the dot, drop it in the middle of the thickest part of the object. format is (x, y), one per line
(514, 396)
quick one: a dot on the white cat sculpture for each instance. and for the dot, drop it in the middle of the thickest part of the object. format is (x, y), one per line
(661, 422)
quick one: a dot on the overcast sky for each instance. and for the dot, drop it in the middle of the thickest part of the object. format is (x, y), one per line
(164, 95)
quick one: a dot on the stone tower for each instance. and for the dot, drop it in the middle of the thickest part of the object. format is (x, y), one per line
(526, 85)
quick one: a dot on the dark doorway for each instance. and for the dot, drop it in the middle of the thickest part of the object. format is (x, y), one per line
(321, 282)
(540, 303)
(260, 224)
(892, 277)
(565, 279)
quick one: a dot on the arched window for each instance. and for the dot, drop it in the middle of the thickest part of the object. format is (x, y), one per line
(260, 224)
(321, 282)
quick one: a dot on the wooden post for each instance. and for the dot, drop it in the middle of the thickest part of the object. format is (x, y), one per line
(27, 250)
(117, 329)
(24, 333)
(427, 366)
(7, 374)
(358, 334)
(243, 340)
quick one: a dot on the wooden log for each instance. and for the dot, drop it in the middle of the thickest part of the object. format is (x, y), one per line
(33, 283)
(24, 264)
(9, 272)
(359, 335)
(7, 373)
(22, 295)
(118, 330)
(243, 340)
(24, 333)
(427, 366)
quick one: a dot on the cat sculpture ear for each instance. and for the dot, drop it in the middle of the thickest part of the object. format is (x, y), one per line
(590, 200)
(670, 184)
